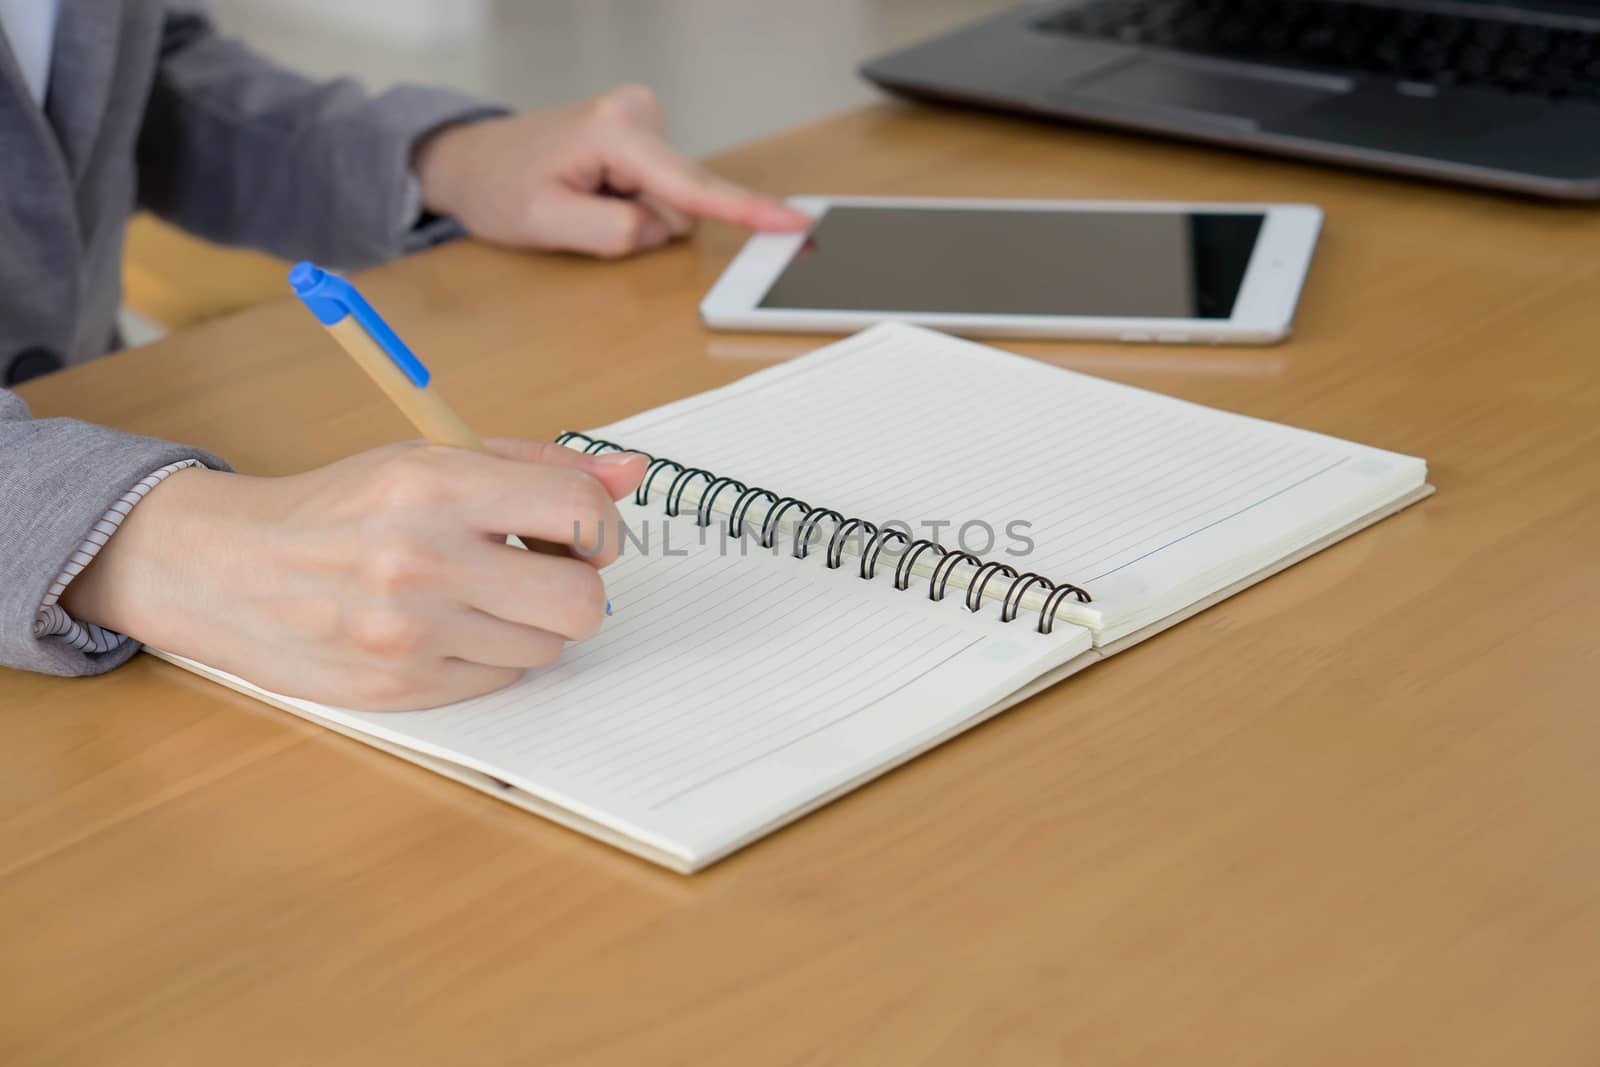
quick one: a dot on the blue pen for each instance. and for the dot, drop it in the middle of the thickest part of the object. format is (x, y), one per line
(361, 331)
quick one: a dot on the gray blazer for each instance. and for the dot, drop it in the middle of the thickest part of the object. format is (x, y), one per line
(149, 106)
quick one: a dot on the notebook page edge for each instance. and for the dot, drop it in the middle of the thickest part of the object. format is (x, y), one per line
(465, 772)
(1107, 611)
(1073, 666)
(1038, 685)
(1166, 622)
(693, 860)
(1066, 670)
(805, 363)
(674, 835)
(1104, 619)
(689, 861)
(781, 807)
(674, 855)
(990, 351)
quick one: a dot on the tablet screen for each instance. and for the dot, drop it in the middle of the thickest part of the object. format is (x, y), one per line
(1017, 262)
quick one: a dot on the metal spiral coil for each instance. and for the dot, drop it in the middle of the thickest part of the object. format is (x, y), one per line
(875, 538)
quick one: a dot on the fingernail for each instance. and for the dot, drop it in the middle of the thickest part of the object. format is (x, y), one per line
(783, 218)
(617, 459)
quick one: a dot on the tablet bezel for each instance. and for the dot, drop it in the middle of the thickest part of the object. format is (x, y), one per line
(1262, 313)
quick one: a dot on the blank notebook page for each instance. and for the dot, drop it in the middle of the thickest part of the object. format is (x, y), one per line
(1148, 502)
(730, 689)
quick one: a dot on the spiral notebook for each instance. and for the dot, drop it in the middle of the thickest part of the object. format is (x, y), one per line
(837, 563)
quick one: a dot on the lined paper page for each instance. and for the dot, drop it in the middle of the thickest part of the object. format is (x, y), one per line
(730, 688)
(1149, 502)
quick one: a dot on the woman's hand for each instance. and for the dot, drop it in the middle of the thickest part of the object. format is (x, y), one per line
(597, 177)
(381, 582)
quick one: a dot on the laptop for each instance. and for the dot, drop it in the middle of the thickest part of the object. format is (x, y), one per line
(1503, 94)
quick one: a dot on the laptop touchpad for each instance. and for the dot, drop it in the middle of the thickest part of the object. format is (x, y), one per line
(1217, 91)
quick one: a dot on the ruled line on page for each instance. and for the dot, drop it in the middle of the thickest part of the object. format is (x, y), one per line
(910, 426)
(712, 661)
(680, 794)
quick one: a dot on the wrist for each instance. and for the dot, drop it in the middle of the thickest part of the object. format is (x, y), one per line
(154, 580)
(441, 162)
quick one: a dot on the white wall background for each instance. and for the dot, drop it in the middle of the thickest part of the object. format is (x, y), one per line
(727, 71)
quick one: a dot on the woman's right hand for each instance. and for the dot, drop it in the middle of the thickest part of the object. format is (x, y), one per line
(380, 582)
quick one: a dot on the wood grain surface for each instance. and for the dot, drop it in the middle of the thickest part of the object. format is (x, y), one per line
(1347, 817)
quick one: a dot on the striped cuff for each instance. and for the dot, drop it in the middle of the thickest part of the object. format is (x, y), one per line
(52, 620)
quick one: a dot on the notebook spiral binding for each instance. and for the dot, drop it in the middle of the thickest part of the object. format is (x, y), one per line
(810, 520)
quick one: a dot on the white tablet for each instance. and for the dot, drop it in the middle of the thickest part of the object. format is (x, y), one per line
(1118, 270)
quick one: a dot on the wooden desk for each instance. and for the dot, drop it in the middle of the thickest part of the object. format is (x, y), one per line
(1347, 817)
(176, 280)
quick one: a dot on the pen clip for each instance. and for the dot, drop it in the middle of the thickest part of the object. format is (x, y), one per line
(331, 298)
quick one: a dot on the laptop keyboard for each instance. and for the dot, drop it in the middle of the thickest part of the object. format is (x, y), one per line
(1406, 44)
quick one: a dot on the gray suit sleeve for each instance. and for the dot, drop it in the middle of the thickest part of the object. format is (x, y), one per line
(238, 150)
(57, 478)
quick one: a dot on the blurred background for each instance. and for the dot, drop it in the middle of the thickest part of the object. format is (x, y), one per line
(726, 72)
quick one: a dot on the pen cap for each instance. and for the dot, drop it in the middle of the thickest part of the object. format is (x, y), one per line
(330, 298)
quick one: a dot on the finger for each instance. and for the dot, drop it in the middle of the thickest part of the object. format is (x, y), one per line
(619, 472)
(477, 637)
(626, 185)
(546, 452)
(464, 680)
(426, 683)
(658, 171)
(605, 226)
(564, 597)
(679, 223)
(549, 503)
